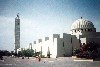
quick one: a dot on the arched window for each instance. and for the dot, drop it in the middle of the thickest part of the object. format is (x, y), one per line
(83, 43)
(63, 44)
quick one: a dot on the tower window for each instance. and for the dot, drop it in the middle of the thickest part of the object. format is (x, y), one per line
(85, 29)
(18, 23)
(81, 29)
(75, 30)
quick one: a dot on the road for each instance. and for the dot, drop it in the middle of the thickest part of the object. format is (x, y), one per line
(46, 62)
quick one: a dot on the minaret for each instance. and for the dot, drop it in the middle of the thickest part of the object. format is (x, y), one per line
(17, 33)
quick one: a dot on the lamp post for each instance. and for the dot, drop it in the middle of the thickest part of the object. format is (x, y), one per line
(28, 54)
(72, 46)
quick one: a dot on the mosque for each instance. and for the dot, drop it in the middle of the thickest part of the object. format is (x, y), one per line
(82, 31)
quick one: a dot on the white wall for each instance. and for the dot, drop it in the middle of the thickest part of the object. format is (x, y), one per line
(51, 43)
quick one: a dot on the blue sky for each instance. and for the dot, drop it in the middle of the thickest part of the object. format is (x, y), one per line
(40, 18)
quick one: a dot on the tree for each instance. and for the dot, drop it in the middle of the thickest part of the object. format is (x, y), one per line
(89, 50)
(19, 53)
(28, 53)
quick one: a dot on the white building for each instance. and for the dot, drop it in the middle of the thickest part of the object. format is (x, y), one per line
(82, 31)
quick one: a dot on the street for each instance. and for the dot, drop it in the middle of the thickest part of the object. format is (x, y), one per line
(46, 62)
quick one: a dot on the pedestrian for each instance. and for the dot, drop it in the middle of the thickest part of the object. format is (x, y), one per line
(39, 58)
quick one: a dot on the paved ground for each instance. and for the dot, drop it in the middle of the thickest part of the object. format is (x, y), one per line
(46, 62)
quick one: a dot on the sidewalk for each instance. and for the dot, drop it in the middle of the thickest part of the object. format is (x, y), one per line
(81, 59)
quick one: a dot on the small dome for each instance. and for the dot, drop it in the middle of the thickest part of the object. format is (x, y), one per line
(82, 23)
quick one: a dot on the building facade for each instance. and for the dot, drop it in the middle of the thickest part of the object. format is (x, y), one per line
(82, 31)
(17, 33)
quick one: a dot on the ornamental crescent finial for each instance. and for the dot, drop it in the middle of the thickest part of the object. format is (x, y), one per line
(18, 15)
(81, 17)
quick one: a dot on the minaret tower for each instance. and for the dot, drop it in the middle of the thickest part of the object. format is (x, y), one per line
(17, 33)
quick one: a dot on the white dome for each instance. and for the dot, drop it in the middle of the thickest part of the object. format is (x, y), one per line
(81, 24)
